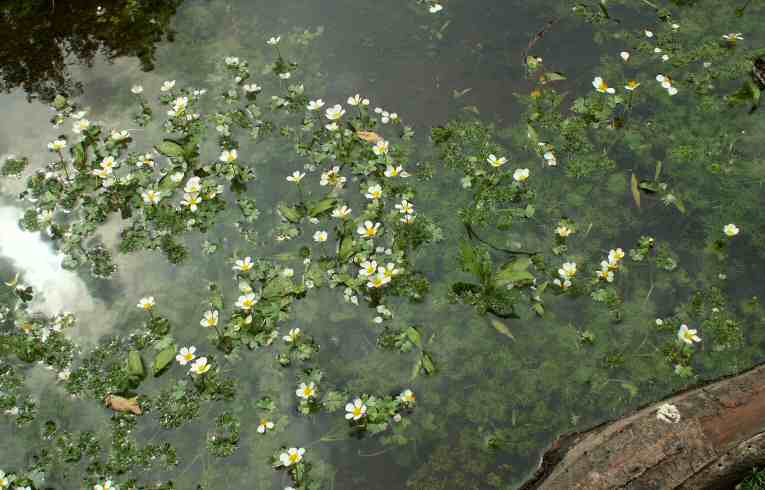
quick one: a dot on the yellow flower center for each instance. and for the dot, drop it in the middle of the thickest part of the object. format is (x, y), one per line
(357, 412)
(189, 356)
(294, 458)
(602, 86)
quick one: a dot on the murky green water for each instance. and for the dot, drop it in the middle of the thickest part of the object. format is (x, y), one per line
(503, 387)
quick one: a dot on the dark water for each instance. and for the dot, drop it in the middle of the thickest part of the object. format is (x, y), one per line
(429, 68)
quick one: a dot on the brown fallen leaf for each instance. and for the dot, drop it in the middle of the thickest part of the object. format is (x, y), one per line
(369, 136)
(121, 404)
(635, 190)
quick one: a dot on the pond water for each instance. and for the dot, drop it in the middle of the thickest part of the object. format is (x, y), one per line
(502, 352)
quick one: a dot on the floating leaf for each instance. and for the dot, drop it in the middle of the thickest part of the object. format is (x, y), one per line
(317, 208)
(635, 190)
(369, 136)
(135, 364)
(121, 404)
(426, 363)
(414, 336)
(169, 148)
(291, 214)
(502, 328)
(163, 360)
(513, 272)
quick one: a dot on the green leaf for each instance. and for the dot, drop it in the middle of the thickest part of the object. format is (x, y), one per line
(346, 249)
(414, 336)
(317, 208)
(635, 190)
(554, 76)
(426, 364)
(169, 148)
(79, 154)
(291, 214)
(164, 359)
(513, 272)
(135, 364)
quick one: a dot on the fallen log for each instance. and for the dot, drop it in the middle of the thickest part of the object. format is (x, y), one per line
(717, 439)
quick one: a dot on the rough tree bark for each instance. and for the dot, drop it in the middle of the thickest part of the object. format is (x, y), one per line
(719, 438)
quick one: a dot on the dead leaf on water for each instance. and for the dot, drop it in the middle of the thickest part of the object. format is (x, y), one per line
(369, 136)
(635, 190)
(121, 404)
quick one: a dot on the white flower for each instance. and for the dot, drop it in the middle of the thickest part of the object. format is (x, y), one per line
(496, 162)
(57, 145)
(296, 177)
(107, 485)
(292, 456)
(687, 335)
(602, 87)
(731, 230)
(332, 127)
(659, 322)
(137, 89)
(550, 158)
(252, 88)
(675, 26)
(355, 100)
(246, 301)
(63, 375)
(407, 219)
(625, 56)
(381, 148)
(186, 355)
(306, 391)
(228, 156)
(563, 231)
(733, 37)
(292, 336)
(210, 319)
(615, 256)
(191, 201)
(315, 105)
(147, 303)
(285, 76)
(666, 83)
(244, 265)
(167, 86)
(231, 61)
(119, 135)
(355, 410)
(5, 480)
(368, 229)
(264, 426)
(341, 212)
(200, 366)
(80, 125)
(147, 160)
(273, 41)
(320, 236)
(648, 34)
(405, 207)
(567, 270)
(665, 57)
(407, 396)
(521, 174)
(668, 413)
(378, 280)
(368, 267)
(151, 197)
(374, 192)
(632, 85)
(395, 171)
(334, 113)
(193, 185)
(435, 8)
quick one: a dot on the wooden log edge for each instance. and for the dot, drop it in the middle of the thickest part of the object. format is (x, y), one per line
(720, 437)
